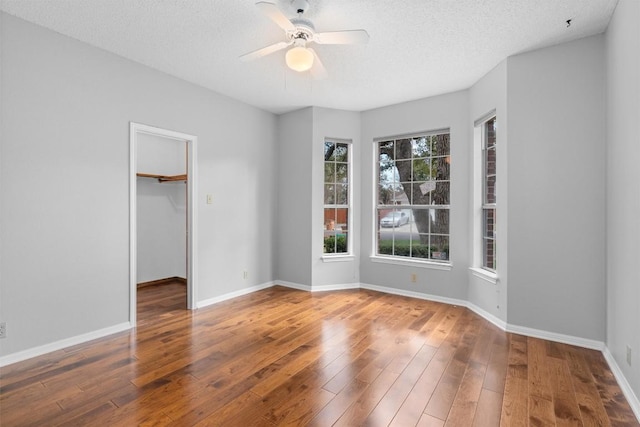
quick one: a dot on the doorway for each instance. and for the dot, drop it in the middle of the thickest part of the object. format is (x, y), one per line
(139, 137)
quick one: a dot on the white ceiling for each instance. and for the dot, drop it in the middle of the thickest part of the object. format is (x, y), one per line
(418, 48)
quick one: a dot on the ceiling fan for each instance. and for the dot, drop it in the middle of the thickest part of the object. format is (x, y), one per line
(299, 32)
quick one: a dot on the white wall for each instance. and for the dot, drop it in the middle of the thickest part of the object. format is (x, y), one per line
(66, 108)
(161, 209)
(556, 137)
(623, 188)
(446, 111)
(490, 93)
(294, 225)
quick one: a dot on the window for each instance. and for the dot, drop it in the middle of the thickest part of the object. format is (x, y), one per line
(489, 194)
(337, 196)
(413, 197)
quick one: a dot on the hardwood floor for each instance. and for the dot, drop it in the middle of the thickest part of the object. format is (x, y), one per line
(286, 357)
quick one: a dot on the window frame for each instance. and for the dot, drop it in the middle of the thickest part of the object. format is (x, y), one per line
(338, 256)
(429, 262)
(485, 206)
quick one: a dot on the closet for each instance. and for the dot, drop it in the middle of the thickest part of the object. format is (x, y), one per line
(161, 166)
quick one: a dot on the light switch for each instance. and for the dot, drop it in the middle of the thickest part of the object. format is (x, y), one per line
(209, 199)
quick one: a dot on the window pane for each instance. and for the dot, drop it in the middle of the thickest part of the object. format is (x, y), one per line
(342, 172)
(342, 153)
(342, 194)
(440, 145)
(329, 173)
(490, 190)
(489, 250)
(440, 248)
(440, 195)
(404, 149)
(422, 170)
(328, 150)
(442, 168)
(439, 221)
(411, 171)
(489, 223)
(421, 147)
(421, 192)
(329, 194)
(420, 247)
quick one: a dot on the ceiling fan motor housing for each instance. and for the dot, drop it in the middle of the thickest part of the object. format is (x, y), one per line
(304, 29)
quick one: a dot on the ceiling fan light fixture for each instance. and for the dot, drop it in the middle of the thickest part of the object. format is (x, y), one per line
(299, 59)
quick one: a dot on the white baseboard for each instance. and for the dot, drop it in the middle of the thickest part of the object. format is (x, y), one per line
(631, 397)
(293, 285)
(552, 336)
(59, 345)
(487, 316)
(320, 288)
(235, 294)
(413, 294)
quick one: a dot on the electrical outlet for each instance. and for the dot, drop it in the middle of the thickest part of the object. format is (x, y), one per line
(629, 355)
(414, 277)
(3, 329)
(245, 274)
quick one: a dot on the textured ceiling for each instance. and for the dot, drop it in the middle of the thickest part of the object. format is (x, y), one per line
(418, 48)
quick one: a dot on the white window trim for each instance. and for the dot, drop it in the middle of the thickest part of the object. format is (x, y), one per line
(484, 274)
(349, 255)
(420, 262)
(337, 258)
(412, 262)
(479, 270)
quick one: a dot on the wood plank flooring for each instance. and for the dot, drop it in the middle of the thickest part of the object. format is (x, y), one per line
(282, 357)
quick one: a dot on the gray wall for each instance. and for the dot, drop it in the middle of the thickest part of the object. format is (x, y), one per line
(344, 125)
(64, 252)
(623, 188)
(490, 93)
(556, 138)
(446, 111)
(295, 145)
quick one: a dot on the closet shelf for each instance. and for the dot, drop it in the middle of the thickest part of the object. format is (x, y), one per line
(164, 178)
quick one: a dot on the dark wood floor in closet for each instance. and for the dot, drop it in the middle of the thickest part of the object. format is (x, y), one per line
(285, 357)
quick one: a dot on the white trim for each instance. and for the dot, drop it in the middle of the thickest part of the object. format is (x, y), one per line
(553, 336)
(235, 294)
(487, 316)
(192, 212)
(412, 135)
(412, 263)
(337, 258)
(342, 287)
(59, 345)
(622, 382)
(485, 275)
(484, 118)
(414, 294)
(293, 285)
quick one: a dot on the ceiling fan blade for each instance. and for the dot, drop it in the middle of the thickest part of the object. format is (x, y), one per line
(342, 37)
(273, 13)
(264, 51)
(317, 69)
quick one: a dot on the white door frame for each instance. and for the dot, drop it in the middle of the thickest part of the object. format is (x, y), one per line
(192, 213)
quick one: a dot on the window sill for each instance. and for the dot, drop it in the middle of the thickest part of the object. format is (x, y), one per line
(485, 275)
(337, 258)
(412, 263)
